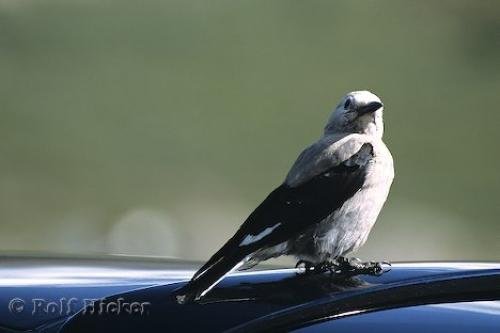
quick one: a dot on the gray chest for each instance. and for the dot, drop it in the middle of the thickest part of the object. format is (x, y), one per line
(346, 229)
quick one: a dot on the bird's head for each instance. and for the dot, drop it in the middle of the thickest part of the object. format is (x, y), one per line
(357, 112)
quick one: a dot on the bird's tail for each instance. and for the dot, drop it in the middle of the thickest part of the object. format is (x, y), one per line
(209, 275)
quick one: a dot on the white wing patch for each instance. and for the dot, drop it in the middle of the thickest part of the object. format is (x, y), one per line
(249, 239)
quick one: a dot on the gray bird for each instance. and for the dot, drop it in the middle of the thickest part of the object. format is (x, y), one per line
(326, 206)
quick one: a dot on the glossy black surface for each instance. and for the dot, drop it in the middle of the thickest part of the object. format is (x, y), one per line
(282, 299)
(477, 317)
(251, 301)
(56, 278)
(437, 288)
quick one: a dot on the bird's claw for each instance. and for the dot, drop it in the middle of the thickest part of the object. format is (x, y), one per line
(344, 266)
(327, 266)
(386, 266)
(304, 267)
(372, 268)
(307, 267)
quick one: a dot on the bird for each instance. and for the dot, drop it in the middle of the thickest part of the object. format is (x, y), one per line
(326, 206)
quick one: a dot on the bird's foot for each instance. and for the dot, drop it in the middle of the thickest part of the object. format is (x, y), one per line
(355, 266)
(305, 267)
(344, 266)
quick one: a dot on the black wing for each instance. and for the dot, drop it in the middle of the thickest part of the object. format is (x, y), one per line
(297, 208)
(284, 214)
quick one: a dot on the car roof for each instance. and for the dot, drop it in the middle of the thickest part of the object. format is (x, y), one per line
(279, 298)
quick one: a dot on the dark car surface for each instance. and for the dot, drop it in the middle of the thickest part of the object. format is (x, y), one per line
(123, 294)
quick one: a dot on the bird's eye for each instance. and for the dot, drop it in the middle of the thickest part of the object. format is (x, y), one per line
(347, 103)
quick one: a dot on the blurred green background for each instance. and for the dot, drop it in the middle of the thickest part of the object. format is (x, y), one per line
(155, 127)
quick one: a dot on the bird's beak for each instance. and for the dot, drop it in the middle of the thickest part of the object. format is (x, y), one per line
(369, 108)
